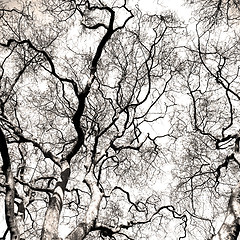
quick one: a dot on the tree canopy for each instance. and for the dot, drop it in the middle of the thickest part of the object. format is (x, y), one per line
(119, 121)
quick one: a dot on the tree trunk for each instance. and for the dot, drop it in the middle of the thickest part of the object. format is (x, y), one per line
(51, 221)
(83, 229)
(231, 225)
(10, 189)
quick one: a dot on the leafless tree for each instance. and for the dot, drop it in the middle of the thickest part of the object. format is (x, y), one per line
(81, 82)
(207, 125)
(96, 97)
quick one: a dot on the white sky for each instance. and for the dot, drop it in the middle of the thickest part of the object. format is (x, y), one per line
(148, 5)
(175, 5)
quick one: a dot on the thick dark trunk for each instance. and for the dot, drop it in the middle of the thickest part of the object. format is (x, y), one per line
(10, 189)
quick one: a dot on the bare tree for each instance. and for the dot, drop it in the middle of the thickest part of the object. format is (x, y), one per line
(96, 97)
(81, 81)
(209, 145)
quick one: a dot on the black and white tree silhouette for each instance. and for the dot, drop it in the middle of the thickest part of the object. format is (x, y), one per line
(97, 98)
